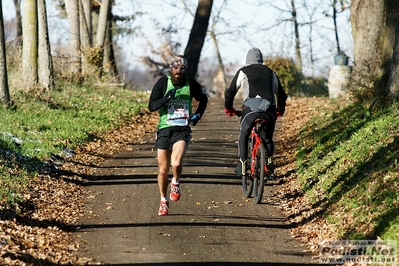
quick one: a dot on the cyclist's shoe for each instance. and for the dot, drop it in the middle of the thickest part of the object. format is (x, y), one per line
(174, 191)
(163, 208)
(240, 169)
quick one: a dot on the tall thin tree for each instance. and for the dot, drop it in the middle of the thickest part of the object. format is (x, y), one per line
(30, 43)
(18, 20)
(4, 92)
(102, 30)
(297, 40)
(72, 8)
(45, 62)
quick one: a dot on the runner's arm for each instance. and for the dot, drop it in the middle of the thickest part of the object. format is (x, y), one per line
(157, 99)
(198, 93)
(231, 92)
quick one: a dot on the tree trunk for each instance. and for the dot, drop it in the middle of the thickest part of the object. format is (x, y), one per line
(45, 66)
(18, 20)
(72, 9)
(334, 6)
(393, 29)
(109, 62)
(102, 32)
(297, 40)
(375, 33)
(102, 23)
(4, 93)
(367, 31)
(86, 24)
(393, 83)
(30, 43)
(86, 35)
(197, 36)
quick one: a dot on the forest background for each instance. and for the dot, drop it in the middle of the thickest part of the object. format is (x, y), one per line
(141, 33)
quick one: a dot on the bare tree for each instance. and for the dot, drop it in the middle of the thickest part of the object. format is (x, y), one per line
(109, 62)
(4, 92)
(30, 43)
(220, 78)
(18, 20)
(296, 33)
(197, 36)
(291, 18)
(45, 62)
(160, 67)
(311, 12)
(102, 23)
(72, 9)
(86, 30)
(104, 38)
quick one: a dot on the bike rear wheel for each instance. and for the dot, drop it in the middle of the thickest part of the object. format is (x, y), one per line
(259, 178)
(247, 180)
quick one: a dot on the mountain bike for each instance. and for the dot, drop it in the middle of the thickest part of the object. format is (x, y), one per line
(259, 167)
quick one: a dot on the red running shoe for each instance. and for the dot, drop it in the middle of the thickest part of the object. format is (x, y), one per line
(174, 192)
(163, 208)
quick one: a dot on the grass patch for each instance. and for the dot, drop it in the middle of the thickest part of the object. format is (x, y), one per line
(42, 124)
(348, 165)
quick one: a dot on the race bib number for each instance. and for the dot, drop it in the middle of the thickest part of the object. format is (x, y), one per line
(177, 114)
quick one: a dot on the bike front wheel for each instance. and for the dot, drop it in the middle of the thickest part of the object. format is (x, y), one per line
(259, 178)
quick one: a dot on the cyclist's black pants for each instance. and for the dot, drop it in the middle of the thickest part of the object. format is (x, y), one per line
(247, 122)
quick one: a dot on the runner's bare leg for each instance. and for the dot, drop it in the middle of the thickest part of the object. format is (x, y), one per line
(178, 152)
(163, 171)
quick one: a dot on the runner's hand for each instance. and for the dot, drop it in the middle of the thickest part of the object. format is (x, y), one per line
(170, 95)
(194, 118)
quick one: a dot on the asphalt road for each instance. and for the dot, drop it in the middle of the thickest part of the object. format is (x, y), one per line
(211, 224)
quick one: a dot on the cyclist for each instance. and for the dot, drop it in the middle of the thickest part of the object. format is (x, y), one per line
(172, 96)
(264, 98)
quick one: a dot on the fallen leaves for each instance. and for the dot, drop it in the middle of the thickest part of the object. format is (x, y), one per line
(299, 211)
(40, 231)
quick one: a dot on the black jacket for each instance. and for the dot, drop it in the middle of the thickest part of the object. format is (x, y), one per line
(257, 80)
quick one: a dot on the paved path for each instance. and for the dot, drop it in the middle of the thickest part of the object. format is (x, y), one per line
(212, 223)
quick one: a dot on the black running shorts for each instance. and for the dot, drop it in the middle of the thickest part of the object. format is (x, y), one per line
(166, 137)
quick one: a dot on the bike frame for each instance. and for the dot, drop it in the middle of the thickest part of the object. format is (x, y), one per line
(256, 142)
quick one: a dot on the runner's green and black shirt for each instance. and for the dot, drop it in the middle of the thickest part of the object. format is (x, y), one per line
(177, 111)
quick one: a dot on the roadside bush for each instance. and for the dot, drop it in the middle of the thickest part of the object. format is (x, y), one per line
(293, 81)
(287, 72)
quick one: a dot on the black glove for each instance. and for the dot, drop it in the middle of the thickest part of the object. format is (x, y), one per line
(170, 95)
(194, 118)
